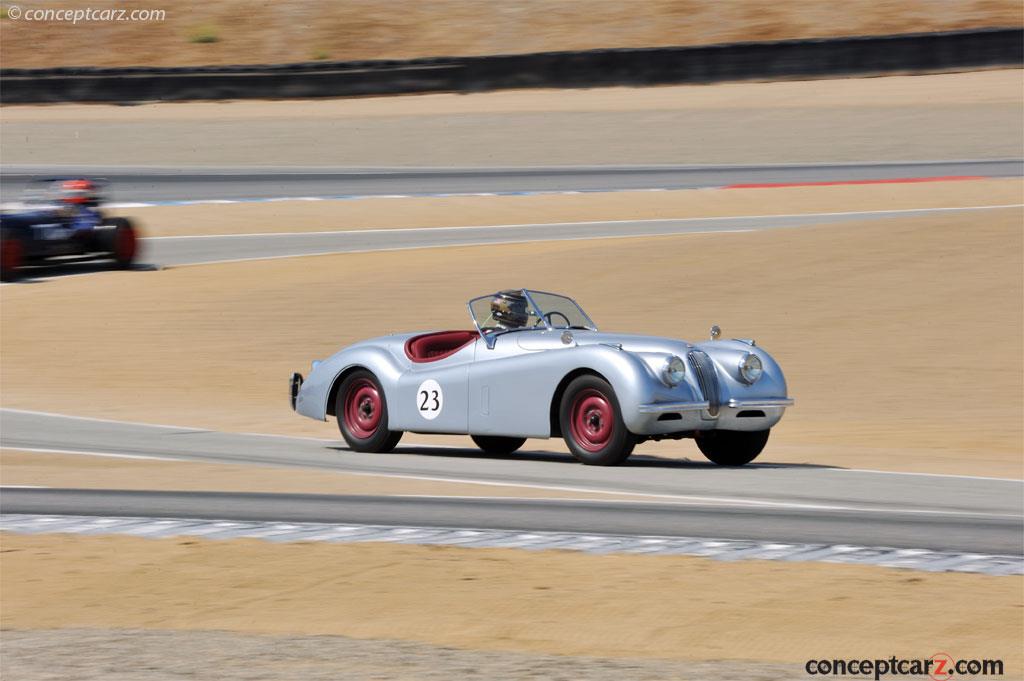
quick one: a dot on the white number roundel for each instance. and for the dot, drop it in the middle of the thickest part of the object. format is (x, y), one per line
(429, 399)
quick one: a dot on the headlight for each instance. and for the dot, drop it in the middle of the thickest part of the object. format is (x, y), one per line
(674, 371)
(751, 368)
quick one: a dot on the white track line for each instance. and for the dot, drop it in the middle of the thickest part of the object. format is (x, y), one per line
(84, 452)
(930, 475)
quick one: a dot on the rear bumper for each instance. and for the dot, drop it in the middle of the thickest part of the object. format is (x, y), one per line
(294, 385)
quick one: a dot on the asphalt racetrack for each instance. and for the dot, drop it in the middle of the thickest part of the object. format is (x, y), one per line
(170, 185)
(786, 503)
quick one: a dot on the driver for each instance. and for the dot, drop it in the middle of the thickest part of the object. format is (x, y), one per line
(79, 193)
(510, 310)
(80, 200)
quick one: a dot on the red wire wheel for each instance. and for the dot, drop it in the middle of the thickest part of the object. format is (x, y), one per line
(362, 408)
(362, 413)
(591, 423)
(592, 420)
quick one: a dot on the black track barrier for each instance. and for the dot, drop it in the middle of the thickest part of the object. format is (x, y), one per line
(787, 59)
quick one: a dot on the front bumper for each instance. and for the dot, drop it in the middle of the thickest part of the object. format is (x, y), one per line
(294, 385)
(663, 418)
(766, 403)
(673, 407)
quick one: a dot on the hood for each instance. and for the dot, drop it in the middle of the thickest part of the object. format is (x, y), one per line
(629, 342)
(633, 342)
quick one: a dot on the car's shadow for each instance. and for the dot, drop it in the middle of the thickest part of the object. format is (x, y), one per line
(37, 274)
(634, 461)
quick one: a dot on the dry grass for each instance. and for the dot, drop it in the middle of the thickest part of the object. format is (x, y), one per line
(244, 32)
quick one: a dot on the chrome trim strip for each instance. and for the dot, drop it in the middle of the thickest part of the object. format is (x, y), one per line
(761, 403)
(671, 407)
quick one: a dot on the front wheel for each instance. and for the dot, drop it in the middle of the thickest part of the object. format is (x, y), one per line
(362, 413)
(591, 423)
(493, 444)
(732, 447)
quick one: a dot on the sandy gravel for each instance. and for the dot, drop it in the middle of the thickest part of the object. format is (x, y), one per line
(385, 213)
(938, 117)
(305, 30)
(891, 332)
(130, 654)
(546, 602)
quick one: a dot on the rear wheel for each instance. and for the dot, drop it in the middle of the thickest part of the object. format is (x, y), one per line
(732, 447)
(592, 425)
(120, 240)
(493, 444)
(362, 413)
(12, 257)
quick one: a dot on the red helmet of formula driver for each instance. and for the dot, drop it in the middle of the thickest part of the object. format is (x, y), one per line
(79, 192)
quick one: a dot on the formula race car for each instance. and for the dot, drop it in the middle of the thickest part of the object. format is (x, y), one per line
(60, 218)
(536, 366)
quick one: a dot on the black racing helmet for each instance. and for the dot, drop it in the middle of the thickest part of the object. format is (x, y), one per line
(510, 309)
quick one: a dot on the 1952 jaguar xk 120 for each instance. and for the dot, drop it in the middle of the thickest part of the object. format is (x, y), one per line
(536, 366)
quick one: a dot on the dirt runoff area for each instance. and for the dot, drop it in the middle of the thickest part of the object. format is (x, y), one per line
(239, 32)
(892, 332)
(546, 602)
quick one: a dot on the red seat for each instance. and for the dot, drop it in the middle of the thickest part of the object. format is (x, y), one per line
(430, 347)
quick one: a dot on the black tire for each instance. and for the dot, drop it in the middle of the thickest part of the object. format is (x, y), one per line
(732, 447)
(362, 413)
(119, 238)
(600, 437)
(493, 444)
(12, 257)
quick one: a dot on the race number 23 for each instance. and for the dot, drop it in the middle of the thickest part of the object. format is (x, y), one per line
(429, 399)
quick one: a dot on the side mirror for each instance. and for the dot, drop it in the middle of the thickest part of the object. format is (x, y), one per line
(716, 332)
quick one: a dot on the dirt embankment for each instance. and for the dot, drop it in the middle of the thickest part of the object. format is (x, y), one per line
(895, 118)
(241, 32)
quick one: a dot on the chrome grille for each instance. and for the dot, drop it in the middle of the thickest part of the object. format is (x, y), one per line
(704, 369)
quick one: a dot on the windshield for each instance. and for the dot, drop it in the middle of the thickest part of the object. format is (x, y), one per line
(518, 309)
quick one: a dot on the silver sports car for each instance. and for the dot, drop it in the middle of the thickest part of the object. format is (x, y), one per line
(535, 365)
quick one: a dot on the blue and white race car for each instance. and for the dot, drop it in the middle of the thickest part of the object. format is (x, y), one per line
(60, 218)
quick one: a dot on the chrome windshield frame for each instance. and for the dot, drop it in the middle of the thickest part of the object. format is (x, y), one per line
(591, 326)
(490, 336)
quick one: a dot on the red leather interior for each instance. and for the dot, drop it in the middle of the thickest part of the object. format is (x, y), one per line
(431, 347)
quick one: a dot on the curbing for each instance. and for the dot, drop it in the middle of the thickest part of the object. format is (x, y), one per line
(718, 549)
